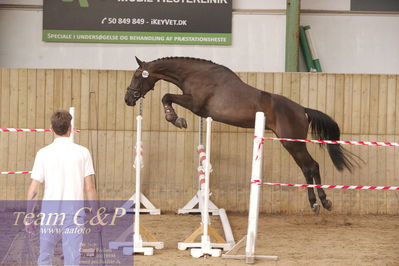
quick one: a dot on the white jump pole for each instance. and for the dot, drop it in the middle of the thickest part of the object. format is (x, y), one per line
(137, 241)
(253, 216)
(137, 245)
(72, 112)
(206, 248)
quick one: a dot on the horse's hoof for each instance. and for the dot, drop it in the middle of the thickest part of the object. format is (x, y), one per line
(316, 208)
(181, 122)
(328, 205)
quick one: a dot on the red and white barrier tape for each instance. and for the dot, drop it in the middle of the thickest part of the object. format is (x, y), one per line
(15, 173)
(327, 186)
(364, 143)
(260, 142)
(30, 130)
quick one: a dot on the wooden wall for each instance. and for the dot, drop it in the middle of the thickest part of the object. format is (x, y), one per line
(365, 106)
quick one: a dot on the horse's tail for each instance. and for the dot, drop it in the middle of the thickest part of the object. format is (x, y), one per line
(325, 128)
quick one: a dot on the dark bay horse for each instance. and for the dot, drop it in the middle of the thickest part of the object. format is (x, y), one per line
(212, 90)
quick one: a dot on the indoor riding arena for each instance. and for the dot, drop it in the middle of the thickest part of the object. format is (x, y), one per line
(248, 132)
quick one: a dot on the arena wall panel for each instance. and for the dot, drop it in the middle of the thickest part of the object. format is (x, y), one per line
(365, 106)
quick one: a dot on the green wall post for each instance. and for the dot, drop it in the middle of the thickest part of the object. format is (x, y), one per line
(292, 36)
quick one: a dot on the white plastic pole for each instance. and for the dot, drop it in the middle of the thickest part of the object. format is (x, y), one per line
(206, 185)
(72, 112)
(137, 162)
(255, 188)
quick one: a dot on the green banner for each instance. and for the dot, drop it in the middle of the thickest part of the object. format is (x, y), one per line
(136, 37)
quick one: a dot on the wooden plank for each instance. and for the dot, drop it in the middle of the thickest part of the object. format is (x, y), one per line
(93, 97)
(31, 123)
(364, 198)
(339, 103)
(382, 105)
(179, 171)
(356, 115)
(381, 175)
(365, 105)
(266, 194)
(312, 91)
(329, 172)
(356, 104)
(190, 175)
(221, 152)
(163, 165)
(391, 178)
(392, 199)
(372, 164)
(108, 169)
(84, 107)
(102, 178)
(21, 138)
(347, 128)
(397, 106)
(393, 206)
(120, 103)
(13, 138)
(391, 105)
(152, 147)
(293, 170)
(277, 149)
(102, 99)
(76, 98)
(58, 93)
(348, 90)
(111, 100)
(66, 93)
(285, 157)
(128, 160)
(5, 122)
(374, 94)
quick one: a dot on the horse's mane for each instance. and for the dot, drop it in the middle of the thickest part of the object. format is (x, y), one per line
(182, 58)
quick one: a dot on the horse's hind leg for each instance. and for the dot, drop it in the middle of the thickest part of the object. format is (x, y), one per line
(310, 169)
(327, 204)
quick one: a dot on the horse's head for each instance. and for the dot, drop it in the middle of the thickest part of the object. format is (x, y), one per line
(141, 83)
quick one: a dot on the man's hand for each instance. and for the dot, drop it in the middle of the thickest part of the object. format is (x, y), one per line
(30, 226)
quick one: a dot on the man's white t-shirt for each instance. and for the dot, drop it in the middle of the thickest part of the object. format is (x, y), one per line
(63, 165)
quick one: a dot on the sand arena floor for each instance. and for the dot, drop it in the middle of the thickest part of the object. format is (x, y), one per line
(326, 239)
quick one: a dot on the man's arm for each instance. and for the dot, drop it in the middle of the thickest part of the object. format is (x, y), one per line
(90, 189)
(91, 194)
(33, 192)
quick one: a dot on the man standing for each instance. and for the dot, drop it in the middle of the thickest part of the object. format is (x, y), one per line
(66, 170)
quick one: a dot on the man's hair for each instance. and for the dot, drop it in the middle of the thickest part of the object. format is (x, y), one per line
(60, 122)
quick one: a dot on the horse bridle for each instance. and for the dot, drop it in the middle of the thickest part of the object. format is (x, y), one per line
(137, 92)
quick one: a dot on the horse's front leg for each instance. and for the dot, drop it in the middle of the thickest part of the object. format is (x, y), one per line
(185, 101)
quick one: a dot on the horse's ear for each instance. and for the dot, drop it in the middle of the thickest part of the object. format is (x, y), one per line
(139, 62)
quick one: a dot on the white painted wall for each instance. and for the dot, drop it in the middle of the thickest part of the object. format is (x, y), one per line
(21, 46)
(326, 4)
(356, 43)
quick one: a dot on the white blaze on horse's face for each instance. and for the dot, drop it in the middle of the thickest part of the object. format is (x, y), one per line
(145, 74)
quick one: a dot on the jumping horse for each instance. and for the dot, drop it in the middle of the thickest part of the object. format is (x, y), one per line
(212, 90)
